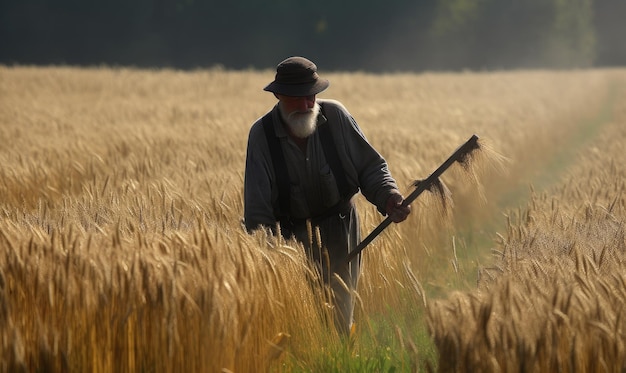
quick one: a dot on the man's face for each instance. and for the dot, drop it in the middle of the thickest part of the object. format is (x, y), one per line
(300, 114)
(299, 104)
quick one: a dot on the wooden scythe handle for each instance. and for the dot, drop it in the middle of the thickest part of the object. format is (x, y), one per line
(423, 185)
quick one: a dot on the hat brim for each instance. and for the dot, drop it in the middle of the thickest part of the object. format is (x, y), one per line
(298, 90)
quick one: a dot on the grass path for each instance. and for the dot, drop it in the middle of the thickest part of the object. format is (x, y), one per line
(477, 236)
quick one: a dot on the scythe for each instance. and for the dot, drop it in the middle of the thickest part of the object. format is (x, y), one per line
(458, 156)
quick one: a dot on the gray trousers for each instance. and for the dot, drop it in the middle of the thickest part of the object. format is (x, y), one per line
(340, 234)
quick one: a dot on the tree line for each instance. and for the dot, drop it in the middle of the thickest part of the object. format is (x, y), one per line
(370, 35)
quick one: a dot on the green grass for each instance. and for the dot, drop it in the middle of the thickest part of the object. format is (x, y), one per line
(394, 341)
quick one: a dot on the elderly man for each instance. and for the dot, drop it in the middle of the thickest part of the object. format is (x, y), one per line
(305, 161)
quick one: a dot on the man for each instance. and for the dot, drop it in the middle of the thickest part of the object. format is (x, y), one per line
(305, 161)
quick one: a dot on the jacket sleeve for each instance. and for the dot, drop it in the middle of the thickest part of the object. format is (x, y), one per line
(258, 207)
(364, 165)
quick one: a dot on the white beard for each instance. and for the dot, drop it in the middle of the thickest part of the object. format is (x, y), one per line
(302, 125)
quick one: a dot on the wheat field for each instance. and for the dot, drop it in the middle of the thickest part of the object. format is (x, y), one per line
(554, 298)
(122, 248)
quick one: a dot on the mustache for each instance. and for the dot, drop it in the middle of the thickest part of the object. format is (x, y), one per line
(299, 114)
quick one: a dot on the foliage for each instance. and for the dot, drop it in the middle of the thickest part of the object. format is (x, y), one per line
(349, 35)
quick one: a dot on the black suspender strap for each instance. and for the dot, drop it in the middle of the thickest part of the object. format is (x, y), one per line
(332, 157)
(280, 165)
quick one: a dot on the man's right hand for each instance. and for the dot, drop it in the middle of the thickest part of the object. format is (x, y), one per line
(394, 208)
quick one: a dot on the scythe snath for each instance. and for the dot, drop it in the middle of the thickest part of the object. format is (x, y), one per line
(460, 155)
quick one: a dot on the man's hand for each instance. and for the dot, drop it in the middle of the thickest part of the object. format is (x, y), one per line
(396, 212)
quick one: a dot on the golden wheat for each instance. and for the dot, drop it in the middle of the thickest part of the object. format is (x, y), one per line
(120, 197)
(554, 300)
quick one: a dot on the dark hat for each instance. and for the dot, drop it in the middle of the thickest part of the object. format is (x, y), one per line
(297, 76)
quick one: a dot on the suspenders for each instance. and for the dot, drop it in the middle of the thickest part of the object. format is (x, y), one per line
(280, 166)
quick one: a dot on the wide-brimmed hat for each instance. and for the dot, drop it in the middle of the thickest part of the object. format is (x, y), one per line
(297, 76)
